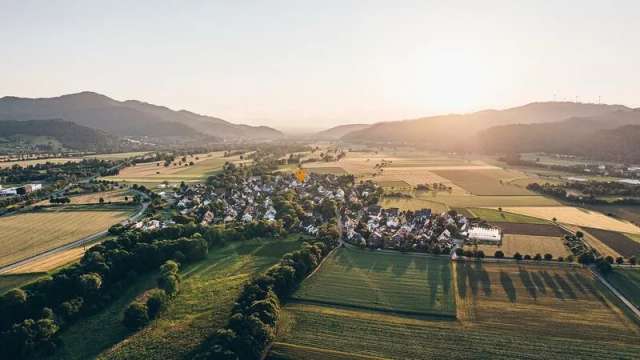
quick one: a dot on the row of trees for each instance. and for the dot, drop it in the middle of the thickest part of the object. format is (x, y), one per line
(255, 315)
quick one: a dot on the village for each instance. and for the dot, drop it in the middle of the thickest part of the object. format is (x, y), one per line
(305, 205)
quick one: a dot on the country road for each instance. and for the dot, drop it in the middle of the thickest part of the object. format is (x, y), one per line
(71, 245)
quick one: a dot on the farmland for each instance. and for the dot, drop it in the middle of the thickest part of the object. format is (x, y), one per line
(335, 170)
(28, 234)
(50, 262)
(384, 281)
(485, 182)
(493, 303)
(531, 229)
(617, 241)
(206, 296)
(575, 216)
(155, 172)
(627, 281)
(527, 245)
(491, 215)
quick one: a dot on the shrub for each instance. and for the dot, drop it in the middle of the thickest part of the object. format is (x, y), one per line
(537, 257)
(459, 252)
(499, 254)
(517, 256)
(136, 316)
(156, 302)
(479, 254)
(619, 260)
(527, 257)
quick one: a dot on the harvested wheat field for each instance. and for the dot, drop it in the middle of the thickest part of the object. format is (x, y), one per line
(25, 235)
(576, 216)
(50, 262)
(484, 181)
(527, 245)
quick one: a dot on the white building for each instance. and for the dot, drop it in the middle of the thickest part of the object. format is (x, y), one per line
(483, 234)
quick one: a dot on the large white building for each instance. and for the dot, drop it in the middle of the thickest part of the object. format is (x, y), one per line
(485, 235)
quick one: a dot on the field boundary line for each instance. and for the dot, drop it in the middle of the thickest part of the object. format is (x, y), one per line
(321, 350)
(373, 308)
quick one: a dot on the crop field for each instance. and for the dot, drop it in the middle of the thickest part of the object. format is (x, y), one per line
(494, 301)
(415, 176)
(495, 201)
(617, 241)
(204, 165)
(335, 170)
(628, 213)
(385, 281)
(626, 281)
(25, 235)
(48, 263)
(12, 281)
(492, 215)
(576, 216)
(485, 182)
(395, 185)
(527, 245)
(551, 230)
(413, 204)
(207, 292)
(117, 156)
(25, 163)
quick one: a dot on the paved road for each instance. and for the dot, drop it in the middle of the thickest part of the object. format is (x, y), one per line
(71, 245)
(615, 292)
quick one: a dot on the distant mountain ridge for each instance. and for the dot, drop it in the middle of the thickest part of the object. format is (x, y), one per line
(339, 131)
(127, 118)
(456, 131)
(69, 134)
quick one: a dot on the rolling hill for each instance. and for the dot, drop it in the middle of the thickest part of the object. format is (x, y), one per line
(127, 118)
(457, 131)
(337, 132)
(67, 133)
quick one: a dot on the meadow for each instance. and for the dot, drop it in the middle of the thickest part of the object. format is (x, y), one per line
(28, 234)
(387, 281)
(562, 304)
(207, 292)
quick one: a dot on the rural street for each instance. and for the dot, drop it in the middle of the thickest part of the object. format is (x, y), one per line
(70, 245)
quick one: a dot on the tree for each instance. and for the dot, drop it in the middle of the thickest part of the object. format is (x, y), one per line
(633, 260)
(136, 316)
(609, 259)
(517, 256)
(603, 266)
(548, 257)
(156, 302)
(527, 257)
(499, 254)
(619, 260)
(479, 254)
(101, 200)
(537, 257)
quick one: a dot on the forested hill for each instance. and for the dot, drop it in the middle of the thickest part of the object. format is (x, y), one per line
(127, 118)
(69, 134)
(457, 131)
(614, 136)
(337, 132)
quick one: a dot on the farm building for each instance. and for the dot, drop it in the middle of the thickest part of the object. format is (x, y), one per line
(485, 235)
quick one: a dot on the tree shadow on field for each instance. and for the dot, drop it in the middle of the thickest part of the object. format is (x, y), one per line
(576, 283)
(445, 277)
(564, 285)
(507, 285)
(400, 266)
(538, 282)
(484, 278)
(525, 277)
(461, 279)
(432, 279)
(588, 284)
(552, 284)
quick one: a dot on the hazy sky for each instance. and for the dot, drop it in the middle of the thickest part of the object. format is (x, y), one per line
(295, 64)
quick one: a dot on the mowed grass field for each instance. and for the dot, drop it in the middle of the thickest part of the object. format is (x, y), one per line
(575, 216)
(29, 234)
(568, 315)
(12, 281)
(387, 281)
(207, 292)
(526, 245)
(485, 182)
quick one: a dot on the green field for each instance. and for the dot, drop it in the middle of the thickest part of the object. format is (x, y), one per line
(627, 281)
(491, 215)
(12, 281)
(386, 281)
(568, 315)
(203, 304)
